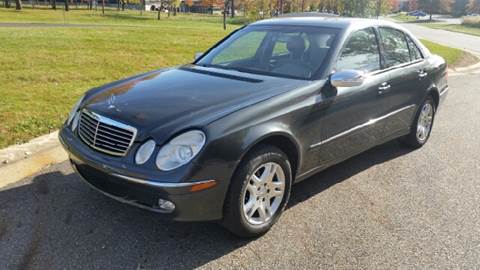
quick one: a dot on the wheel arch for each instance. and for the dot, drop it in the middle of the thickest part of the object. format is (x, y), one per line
(282, 140)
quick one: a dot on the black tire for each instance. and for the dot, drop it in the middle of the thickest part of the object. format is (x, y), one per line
(234, 219)
(412, 140)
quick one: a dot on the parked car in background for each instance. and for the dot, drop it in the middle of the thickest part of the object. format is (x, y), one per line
(417, 13)
(224, 138)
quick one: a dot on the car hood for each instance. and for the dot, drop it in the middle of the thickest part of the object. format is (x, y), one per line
(164, 102)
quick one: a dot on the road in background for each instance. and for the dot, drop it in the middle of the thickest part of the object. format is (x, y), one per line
(387, 208)
(452, 39)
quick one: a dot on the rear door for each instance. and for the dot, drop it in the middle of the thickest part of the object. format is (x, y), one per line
(405, 65)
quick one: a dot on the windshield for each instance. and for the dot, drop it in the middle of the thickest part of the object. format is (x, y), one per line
(296, 52)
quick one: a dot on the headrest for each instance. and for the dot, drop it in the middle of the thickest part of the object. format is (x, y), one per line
(296, 45)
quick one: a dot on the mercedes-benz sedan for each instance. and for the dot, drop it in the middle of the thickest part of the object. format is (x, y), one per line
(224, 138)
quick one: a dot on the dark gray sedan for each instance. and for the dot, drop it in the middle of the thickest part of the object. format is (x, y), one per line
(224, 138)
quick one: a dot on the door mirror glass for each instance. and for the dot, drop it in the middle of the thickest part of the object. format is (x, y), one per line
(197, 55)
(347, 78)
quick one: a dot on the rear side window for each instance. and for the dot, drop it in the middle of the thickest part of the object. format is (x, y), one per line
(360, 53)
(395, 47)
(415, 53)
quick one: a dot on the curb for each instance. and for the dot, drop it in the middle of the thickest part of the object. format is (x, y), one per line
(42, 152)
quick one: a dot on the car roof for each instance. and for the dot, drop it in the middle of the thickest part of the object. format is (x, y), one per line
(323, 21)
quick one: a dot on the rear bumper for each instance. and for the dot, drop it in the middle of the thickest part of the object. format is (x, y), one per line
(202, 205)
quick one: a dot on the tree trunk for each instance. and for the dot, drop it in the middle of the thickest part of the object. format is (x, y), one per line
(158, 14)
(225, 14)
(18, 4)
(118, 5)
(232, 8)
(66, 5)
(303, 5)
(123, 5)
(103, 6)
(54, 4)
(431, 9)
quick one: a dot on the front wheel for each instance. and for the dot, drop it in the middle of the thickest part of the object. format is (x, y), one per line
(258, 193)
(422, 125)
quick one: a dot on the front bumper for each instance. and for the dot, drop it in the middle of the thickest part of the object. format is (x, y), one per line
(113, 180)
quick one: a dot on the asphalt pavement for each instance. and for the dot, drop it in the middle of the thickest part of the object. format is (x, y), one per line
(452, 39)
(386, 208)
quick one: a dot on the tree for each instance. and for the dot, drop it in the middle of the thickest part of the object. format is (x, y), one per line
(412, 5)
(66, 5)
(54, 4)
(474, 6)
(18, 4)
(434, 6)
(459, 7)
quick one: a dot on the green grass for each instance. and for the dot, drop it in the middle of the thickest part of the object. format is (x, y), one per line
(45, 69)
(451, 55)
(404, 17)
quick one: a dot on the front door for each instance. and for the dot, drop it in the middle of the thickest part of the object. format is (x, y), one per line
(348, 122)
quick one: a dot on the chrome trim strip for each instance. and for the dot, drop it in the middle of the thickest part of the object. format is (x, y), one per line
(370, 122)
(158, 184)
(108, 121)
(444, 91)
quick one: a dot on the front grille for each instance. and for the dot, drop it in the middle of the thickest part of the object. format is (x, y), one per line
(104, 134)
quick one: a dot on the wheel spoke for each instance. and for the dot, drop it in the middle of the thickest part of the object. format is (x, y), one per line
(262, 213)
(255, 180)
(252, 189)
(249, 206)
(252, 210)
(269, 172)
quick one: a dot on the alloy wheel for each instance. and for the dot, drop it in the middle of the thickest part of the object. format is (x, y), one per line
(264, 193)
(425, 120)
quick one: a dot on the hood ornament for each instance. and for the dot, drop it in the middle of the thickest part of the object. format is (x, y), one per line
(111, 102)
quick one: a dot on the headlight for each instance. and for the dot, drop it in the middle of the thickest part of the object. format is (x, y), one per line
(144, 152)
(74, 111)
(180, 150)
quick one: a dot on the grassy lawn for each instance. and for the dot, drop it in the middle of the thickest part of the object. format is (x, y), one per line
(45, 69)
(404, 17)
(451, 55)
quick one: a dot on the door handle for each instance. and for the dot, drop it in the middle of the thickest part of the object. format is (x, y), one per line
(383, 88)
(422, 74)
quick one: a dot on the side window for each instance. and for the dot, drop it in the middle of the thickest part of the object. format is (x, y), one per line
(415, 53)
(360, 53)
(395, 47)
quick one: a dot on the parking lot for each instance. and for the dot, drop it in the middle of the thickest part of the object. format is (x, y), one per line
(387, 208)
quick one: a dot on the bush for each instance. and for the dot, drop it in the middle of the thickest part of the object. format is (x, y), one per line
(239, 20)
(473, 21)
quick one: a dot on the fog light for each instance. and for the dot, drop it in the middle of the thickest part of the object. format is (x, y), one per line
(166, 206)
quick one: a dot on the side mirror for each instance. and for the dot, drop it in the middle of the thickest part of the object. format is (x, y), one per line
(197, 55)
(347, 78)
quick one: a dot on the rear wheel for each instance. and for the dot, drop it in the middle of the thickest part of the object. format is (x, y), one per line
(258, 193)
(422, 125)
